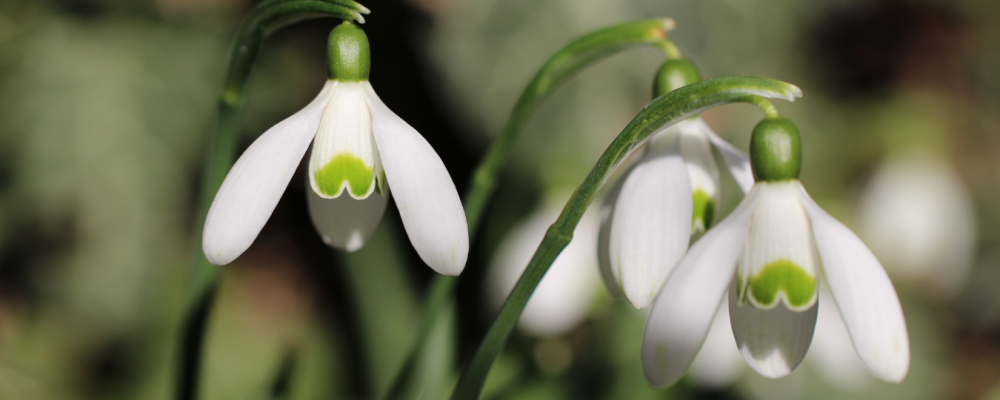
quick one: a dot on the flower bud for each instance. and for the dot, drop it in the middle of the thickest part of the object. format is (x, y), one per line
(673, 74)
(775, 150)
(348, 54)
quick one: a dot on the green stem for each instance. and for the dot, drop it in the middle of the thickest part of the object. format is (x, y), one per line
(663, 111)
(573, 57)
(263, 20)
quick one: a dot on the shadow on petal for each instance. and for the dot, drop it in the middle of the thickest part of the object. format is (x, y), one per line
(346, 223)
(773, 342)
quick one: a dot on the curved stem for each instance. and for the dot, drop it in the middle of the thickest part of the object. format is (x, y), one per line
(262, 21)
(663, 111)
(561, 66)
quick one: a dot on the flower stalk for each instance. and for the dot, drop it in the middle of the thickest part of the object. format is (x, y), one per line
(663, 111)
(265, 19)
(558, 69)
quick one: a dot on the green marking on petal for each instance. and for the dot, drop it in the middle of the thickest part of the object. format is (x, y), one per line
(703, 211)
(786, 277)
(344, 168)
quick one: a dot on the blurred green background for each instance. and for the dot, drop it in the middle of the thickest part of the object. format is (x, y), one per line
(106, 108)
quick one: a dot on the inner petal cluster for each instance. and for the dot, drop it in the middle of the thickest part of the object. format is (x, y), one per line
(779, 260)
(344, 155)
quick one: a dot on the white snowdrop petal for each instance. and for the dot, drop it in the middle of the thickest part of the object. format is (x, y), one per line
(344, 222)
(651, 225)
(718, 363)
(773, 342)
(563, 297)
(428, 203)
(864, 294)
(703, 174)
(683, 311)
(604, 237)
(778, 263)
(344, 156)
(256, 182)
(736, 160)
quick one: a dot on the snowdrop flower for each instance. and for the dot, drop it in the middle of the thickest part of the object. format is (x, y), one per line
(668, 195)
(359, 150)
(917, 217)
(768, 254)
(564, 296)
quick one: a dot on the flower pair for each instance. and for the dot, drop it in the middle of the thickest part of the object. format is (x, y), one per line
(360, 149)
(669, 195)
(768, 255)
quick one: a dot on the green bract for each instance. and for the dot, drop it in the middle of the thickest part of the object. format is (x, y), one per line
(348, 54)
(675, 73)
(775, 150)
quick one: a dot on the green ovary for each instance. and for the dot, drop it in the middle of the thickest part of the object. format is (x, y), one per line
(344, 167)
(782, 276)
(703, 210)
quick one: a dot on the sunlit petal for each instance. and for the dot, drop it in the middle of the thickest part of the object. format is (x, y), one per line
(651, 225)
(428, 203)
(864, 294)
(256, 182)
(683, 311)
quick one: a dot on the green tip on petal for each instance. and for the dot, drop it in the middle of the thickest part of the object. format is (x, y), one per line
(345, 168)
(782, 276)
(775, 150)
(675, 73)
(348, 54)
(703, 211)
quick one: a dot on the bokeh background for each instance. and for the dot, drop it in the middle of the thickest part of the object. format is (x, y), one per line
(107, 106)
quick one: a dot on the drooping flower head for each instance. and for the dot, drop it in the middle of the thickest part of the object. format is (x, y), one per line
(360, 149)
(769, 254)
(668, 195)
(919, 219)
(567, 292)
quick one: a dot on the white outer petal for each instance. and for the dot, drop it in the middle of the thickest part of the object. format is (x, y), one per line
(773, 342)
(256, 182)
(565, 294)
(683, 310)
(651, 224)
(736, 160)
(718, 363)
(428, 203)
(864, 294)
(344, 222)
